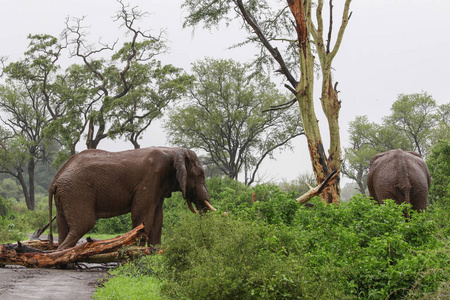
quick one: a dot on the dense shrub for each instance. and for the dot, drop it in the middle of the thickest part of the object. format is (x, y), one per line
(359, 250)
(439, 165)
(382, 253)
(115, 225)
(218, 257)
(275, 249)
(5, 207)
(9, 231)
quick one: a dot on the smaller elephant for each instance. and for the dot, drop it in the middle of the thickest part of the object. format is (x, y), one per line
(399, 175)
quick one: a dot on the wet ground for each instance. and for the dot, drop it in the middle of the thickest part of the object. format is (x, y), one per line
(22, 283)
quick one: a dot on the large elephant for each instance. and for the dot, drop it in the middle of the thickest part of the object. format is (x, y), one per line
(99, 184)
(399, 175)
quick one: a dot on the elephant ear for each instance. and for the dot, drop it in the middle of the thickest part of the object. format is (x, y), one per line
(180, 166)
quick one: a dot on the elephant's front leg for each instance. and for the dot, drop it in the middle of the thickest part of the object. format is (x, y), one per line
(156, 229)
(147, 212)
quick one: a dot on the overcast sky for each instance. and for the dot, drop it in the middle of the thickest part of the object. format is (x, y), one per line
(390, 47)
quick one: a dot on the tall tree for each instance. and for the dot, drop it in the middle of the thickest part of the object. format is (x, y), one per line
(442, 129)
(23, 101)
(132, 88)
(301, 33)
(415, 115)
(223, 117)
(356, 158)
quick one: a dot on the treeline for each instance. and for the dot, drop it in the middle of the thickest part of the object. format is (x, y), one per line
(49, 112)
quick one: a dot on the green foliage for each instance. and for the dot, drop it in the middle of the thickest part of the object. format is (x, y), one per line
(382, 253)
(5, 207)
(439, 165)
(234, 132)
(9, 231)
(261, 251)
(115, 225)
(135, 280)
(218, 257)
(271, 205)
(357, 250)
(415, 115)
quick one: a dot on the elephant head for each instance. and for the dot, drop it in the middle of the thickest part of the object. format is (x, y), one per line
(191, 179)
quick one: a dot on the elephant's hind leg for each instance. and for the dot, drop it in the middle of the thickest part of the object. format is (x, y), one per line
(76, 232)
(63, 228)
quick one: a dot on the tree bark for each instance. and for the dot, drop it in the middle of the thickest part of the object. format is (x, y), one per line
(30, 205)
(313, 192)
(20, 255)
(31, 168)
(323, 165)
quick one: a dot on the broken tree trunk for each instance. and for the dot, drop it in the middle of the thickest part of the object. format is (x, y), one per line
(121, 255)
(40, 244)
(39, 231)
(318, 189)
(12, 254)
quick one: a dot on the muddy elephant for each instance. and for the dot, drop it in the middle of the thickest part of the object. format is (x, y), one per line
(399, 175)
(97, 184)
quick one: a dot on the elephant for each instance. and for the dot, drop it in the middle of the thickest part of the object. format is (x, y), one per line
(97, 184)
(399, 175)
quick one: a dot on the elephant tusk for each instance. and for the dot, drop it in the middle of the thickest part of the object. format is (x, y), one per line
(189, 203)
(209, 205)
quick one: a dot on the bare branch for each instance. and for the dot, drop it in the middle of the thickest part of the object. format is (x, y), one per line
(345, 18)
(273, 51)
(330, 28)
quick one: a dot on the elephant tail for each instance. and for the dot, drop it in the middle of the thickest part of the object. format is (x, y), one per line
(51, 192)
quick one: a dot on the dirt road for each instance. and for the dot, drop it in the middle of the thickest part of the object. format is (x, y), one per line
(22, 283)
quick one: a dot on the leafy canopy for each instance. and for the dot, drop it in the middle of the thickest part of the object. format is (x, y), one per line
(224, 116)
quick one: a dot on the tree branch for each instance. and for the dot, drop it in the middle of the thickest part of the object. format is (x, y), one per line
(273, 51)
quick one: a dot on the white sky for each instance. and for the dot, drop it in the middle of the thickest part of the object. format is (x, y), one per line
(390, 47)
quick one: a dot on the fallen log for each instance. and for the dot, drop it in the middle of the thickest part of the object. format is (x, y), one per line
(318, 189)
(11, 255)
(121, 255)
(40, 244)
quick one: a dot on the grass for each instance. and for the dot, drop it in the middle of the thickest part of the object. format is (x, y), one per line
(129, 288)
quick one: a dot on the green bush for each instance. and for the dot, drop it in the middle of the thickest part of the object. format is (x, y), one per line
(218, 257)
(5, 207)
(115, 225)
(275, 249)
(382, 253)
(439, 165)
(357, 250)
(9, 231)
